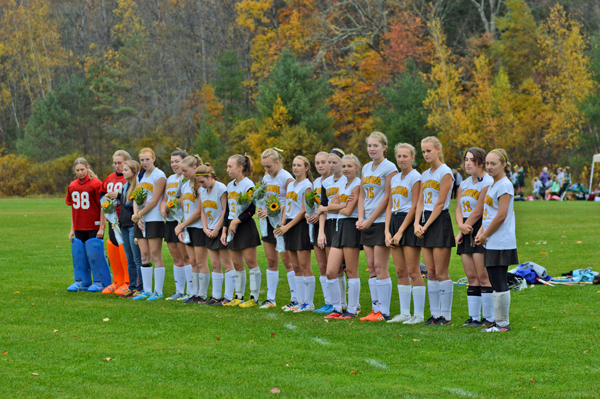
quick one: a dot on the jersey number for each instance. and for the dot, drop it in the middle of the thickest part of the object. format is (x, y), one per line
(467, 207)
(232, 206)
(209, 215)
(485, 214)
(369, 191)
(186, 208)
(110, 187)
(428, 198)
(80, 201)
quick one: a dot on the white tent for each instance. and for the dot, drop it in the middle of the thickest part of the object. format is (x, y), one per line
(595, 159)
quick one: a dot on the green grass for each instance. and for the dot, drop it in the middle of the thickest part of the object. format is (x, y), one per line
(169, 350)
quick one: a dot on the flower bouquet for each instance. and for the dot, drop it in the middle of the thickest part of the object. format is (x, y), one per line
(260, 200)
(243, 202)
(274, 216)
(109, 207)
(174, 207)
(139, 196)
(312, 203)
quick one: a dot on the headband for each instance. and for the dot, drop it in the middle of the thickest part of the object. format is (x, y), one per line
(203, 174)
(503, 157)
(338, 153)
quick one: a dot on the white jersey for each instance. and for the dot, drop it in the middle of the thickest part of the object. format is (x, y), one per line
(189, 203)
(211, 203)
(345, 193)
(432, 183)
(332, 188)
(470, 193)
(504, 237)
(277, 185)
(172, 190)
(316, 186)
(373, 182)
(234, 191)
(148, 182)
(294, 198)
(402, 190)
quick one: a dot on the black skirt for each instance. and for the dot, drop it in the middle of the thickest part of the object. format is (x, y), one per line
(440, 234)
(246, 236)
(197, 237)
(297, 239)
(153, 230)
(214, 244)
(374, 235)
(500, 257)
(466, 247)
(329, 230)
(170, 235)
(346, 235)
(270, 237)
(409, 239)
(315, 234)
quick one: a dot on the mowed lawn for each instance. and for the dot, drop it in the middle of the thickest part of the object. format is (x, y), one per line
(169, 350)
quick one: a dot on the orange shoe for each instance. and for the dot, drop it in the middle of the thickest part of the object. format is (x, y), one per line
(373, 317)
(121, 290)
(110, 289)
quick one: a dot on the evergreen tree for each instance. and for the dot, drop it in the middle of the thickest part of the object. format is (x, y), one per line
(228, 85)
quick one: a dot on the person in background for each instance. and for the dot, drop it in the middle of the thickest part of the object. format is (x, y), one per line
(457, 180)
(520, 181)
(553, 189)
(544, 177)
(538, 188)
(566, 181)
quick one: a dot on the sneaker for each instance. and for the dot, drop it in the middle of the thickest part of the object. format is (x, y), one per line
(155, 297)
(96, 287)
(235, 302)
(191, 299)
(399, 318)
(213, 301)
(496, 328)
(325, 309)
(486, 323)
(202, 300)
(127, 294)
(441, 321)
(293, 308)
(135, 293)
(142, 295)
(289, 305)
(348, 315)
(333, 315)
(470, 323)
(268, 304)
(305, 308)
(110, 289)
(248, 304)
(175, 297)
(185, 297)
(77, 287)
(121, 290)
(374, 317)
(414, 320)
(430, 321)
(224, 302)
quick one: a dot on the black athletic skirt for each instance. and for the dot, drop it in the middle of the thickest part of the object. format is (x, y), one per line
(329, 230)
(315, 234)
(297, 239)
(468, 245)
(374, 235)
(246, 236)
(153, 230)
(440, 234)
(170, 235)
(409, 239)
(346, 235)
(214, 244)
(500, 257)
(270, 237)
(197, 237)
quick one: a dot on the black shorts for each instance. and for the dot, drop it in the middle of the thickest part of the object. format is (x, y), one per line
(409, 239)
(500, 257)
(170, 235)
(214, 244)
(246, 236)
(153, 230)
(329, 230)
(440, 234)
(270, 237)
(466, 247)
(197, 237)
(297, 239)
(374, 235)
(85, 235)
(346, 235)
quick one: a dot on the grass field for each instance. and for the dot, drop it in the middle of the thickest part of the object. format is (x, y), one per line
(170, 350)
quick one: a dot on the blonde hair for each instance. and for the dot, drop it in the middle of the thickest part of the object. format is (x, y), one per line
(84, 162)
(501, 153)
(337, 152)
(409, 147)
(123, 154)
(273, 153)
(356, 161)
(309, 175)
(321, 153)
(135, 168)
(193, 161)
(437, 144)
(245, 162)
(379, 136)
(206, 170)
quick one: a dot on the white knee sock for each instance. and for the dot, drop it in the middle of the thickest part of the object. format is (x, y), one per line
(309, 290)
(326, 297)
(419, 300)
(179, 277)
(502, 307)
(292, 283)
(229, 284)
(374, 297)
(353, 294)
(255, 281)
(404, 294)
(446, 292)
(334, 292)
(147, 278)
(474, 302)
(342, 283)
(433, 288)
(187, 269)
(272, 280)
(195, 283)
(204, 279)
(217, 286)
(487, 304)
(384, 293)
(159, 279)
(299, 283)
(240, 284)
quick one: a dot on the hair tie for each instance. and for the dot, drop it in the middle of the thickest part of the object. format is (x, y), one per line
(278, 150)
(338, 153)
(503, 157)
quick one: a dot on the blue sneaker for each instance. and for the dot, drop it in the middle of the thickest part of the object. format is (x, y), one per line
(324, 309)
(155, 296)
(142, 295)
(77, 286)
(96, 287)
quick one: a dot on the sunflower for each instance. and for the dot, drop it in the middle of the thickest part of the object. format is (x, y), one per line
(105, 204)
(274, 207)
(131, 198)
(250, 193)
(170, 204)
(318, 199)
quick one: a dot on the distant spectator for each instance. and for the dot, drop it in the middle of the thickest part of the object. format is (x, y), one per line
(457, 180)
(544, 176)
(560, 175)
(538, 189)
(520, 181)
(554, 188)
(513, 177)
(566, 183)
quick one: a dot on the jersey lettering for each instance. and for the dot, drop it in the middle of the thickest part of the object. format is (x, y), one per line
(209, 204)
(400, 190)
(470, 193)
(434, 184)
(292, 195)
(273, 189)
(372, 180)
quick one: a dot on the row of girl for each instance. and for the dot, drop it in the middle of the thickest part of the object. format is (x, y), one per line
(375, 208)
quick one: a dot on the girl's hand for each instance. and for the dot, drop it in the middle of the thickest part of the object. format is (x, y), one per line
(112, 195)
(280, 231)
(459, 238)
(465, 229)
(335, 199)
(207, 231)
(366, 225)
(262, 213)
(419, 232)
(388, 239)
(71, 235)
(321, 209)
(481, 239)
(141, 225)
(135, 218)
(312, 219)
(100, 234)
(224, 239)
(359, 225)
(397, 238)
(181, 237)
(322, 241)
(233, 225)
(164, 212)
(178, 230)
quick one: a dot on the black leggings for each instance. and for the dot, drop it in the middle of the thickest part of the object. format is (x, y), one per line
(498, 277)
(85, 235)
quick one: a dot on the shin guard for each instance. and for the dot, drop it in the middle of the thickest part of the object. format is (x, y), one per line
(94, 248)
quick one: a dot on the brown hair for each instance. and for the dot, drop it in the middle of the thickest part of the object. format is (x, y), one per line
(84, 162)
(179, 153)
(193, 161)
(206, 170)
(135, 168)
(501, 153)
(245, 162)
(437, 144)
(379, 136)
(309, 175)
(478, 155)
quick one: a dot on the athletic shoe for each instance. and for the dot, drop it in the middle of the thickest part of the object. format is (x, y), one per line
(213, 301)
(77, 286)
(235, 302)
(290, 305)
(127, 294)
(142, 295)
(135, 293)
(305, 308)
(155, 297)
(325, 309)
(110, 289)
(373, 317)
(96, 287)
(293, 308)
(472, 323)
(248, 304)
(486, 323)
(175, 297)
(185, 297)
(268, 304)
(192, 299)
(399, 318)
(386, 317)
(441, 321)
(333, 315)
(430, 321)
(224, 302)
(496, 328)
(121, 290)
(348, 315)
(202, 300)
(414, 320)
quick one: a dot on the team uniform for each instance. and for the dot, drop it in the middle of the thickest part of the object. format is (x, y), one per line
(346, 234)
(297, 238)
(211, 204)
(190, 199)
(316, 187)
(83, 196)
(275, 186)
(132, 251)
(172, 189)
(329, 189)
(373, 182)
(402, 194)
(154, 224)
(471, 191)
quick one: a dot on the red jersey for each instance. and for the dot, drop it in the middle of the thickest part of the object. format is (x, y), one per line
(113, 183)
(83, 196)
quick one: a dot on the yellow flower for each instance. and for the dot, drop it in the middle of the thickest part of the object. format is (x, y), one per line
(318, 199)
(273, 207)
(105, 205)
(250, 193)
(131, 198)
(170, 204)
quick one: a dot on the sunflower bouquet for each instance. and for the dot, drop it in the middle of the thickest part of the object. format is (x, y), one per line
(242, 203)
(139, 196)
(313, 201)
(274, 216)
(175, 209)
(109, 207)
(260, 200)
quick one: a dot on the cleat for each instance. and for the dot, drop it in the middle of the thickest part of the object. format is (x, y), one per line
(96, 287)
(192, 299)
(224, 302)
(386, 317)
(155, 297)
(175, 297)
(289, 305)
(248, 304)
(135, 293)
(202, 300)
(293, 308)
(142, 295)
(348, 315)
(305, 308)
(430, 321)
(325, 309)
(268, 304)
(235, 302)
(127, 294)
(77, 286)
(399, 318)
(486, 323)
(121, 290)
(471, 323)
(213, 302)
(185, 297)
(414, 320)
(374, 317)
(110, 289)
(496, 328)
(333, 315)
(441, 321)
